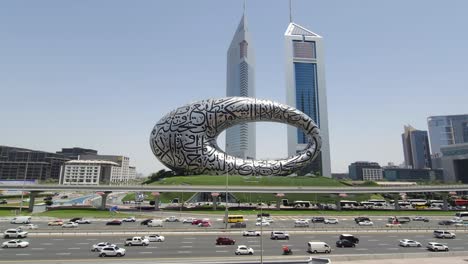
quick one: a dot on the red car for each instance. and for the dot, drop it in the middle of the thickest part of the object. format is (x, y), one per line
(197, 221)
(205, 224)
(225, 241)
(114, 222)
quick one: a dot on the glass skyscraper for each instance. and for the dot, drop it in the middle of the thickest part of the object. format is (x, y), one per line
(447, 130)
(305, 87)
(240, 81)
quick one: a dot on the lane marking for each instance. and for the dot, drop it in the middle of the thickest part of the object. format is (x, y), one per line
(151, 247)
(47, 244)
(361, 249)
(83, 243)
(187, 242)
(63, 254)
(384, 244)
(373, 240)
(190, 238)
(37, 248)
(392, 248)
(222, 251)
(74, 248)
(186, 246)
(91, 239)
(23, 254)
(184, 252)
(146, 252)
(58, 239)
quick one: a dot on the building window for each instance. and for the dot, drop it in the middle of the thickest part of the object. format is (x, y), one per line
(243, 49)
(304, 49)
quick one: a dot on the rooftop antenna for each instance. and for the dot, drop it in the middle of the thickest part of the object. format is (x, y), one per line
(290, 12)
(244, 6)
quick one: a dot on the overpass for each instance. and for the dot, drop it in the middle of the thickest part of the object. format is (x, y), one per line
(107, 189)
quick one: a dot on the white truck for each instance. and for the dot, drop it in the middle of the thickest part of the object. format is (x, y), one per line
(137, 241)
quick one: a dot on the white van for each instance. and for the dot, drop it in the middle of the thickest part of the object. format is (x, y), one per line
(318, 247)
(21, 220)
(155, 223)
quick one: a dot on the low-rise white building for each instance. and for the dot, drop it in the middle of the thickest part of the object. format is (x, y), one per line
(372, 174)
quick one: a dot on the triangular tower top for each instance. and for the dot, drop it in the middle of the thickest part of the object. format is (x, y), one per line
(295, 29)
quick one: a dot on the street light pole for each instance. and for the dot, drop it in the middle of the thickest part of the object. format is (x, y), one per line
(226, 212)
(24, 181)
(261, 233)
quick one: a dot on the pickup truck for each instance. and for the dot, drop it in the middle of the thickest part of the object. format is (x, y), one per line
(136, 241)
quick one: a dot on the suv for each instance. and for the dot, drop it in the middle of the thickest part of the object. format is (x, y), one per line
(349, 237)
(112, 251)
(263, 215)
(279, 235)
(15, 233)
(443, 234)
(225, 241)
(317, 219)
(434, 246)
(361, 219)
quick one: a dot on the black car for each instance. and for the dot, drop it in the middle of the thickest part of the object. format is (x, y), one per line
(345, 243)
(239, 225)
(317, 219)
(263, 215)
(48, 198)
(114, 222)
(3, 201)
(361, 219)
(145, 222)
(349, 237)
(446, 222)
(75, 219)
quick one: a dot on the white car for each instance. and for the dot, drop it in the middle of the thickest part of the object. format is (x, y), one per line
(28, 226)
(434, 246)
(301, 223)
(112, 251)
(457, 220)
(393, 225)
(244, 250)
(101, 245)
(83, 221)
(265, 219)
(263, 223)
(251, 233)
(172, 219)
(331, 221)
(188, 220)
(366, 223)
(70, 225)
(15, 244)
(409, 243)
(15, 233)
(155, 238)
(129, 219)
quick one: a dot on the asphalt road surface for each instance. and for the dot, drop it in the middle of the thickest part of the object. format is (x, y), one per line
(203, 246)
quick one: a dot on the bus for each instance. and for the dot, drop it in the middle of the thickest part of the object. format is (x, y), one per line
(235, 218)
(297, 204)
(419, 206)
(368, 205)
(346, 203)
(461, 202)
(412, 201)
(436, 203)
(378, 202)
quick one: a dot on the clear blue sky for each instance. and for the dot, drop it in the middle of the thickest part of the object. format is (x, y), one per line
(99, 74)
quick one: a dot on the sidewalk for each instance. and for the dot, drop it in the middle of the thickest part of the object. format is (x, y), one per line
(447, 260)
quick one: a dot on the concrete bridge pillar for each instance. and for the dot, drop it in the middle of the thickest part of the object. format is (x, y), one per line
(338, 205)
(156, 200)
(32, 198)
(214, 196)
(396, 199)
(445, 200)
(279, 196)
(104, 199)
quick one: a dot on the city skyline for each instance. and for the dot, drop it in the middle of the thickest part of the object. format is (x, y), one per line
(102, 82)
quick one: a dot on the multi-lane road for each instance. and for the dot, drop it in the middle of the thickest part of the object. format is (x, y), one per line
(193, 242)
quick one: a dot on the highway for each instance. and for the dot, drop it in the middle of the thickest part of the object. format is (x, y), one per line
(203, 246)
(239, 189)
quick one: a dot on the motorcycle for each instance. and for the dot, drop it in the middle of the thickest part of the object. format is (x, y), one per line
(287, 250)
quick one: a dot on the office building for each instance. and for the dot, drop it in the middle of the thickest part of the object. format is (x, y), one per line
(454, 162)
(412, 175)
(306, 91)
(416, 148)
(365, 171)
(447, 130)
(19, 164)
(88, 172)
(240, 81)
(121, 174)
(74, 153)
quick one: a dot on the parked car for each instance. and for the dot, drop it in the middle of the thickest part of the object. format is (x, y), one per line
(129, 219)
(366, 223)
(188, 220)
(443, 234)
(101, 245)
(225, 241)
(155, 238)
(350, 238)
(409, 243)
(244, 250)
(28, 226)
(172, 219)
(55, 223)
(345, 243)
(112, 251)
(114, 222)
(15, 233)
(361, 219)
(421, 218)
(15, 244)
(251, 233)
(331, 221)
(239, 225)
(70, 225)
(301, 223)
(434, 246)
(318, 219)
(279, 235)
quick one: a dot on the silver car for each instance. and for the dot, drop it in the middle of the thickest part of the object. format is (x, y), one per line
(112, 252)
(409, 243)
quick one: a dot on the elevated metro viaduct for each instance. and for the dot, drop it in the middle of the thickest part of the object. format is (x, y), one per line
(107, 189)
